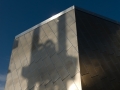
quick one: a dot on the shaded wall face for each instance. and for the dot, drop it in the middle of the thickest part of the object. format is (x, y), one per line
(99, 45)
(46, 58)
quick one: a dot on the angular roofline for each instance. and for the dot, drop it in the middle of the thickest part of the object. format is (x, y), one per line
(97, 15)
(63, 12)
(46, 21)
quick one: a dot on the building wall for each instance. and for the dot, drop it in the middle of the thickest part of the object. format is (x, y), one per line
(46, 58)
(99, 52)
(72, 49)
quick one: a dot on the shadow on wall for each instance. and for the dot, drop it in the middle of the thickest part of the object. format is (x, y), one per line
(50, 66)
(52, 63)
(99, 45)
(15, 45)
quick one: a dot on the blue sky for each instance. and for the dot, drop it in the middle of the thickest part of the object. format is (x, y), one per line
(17, 16)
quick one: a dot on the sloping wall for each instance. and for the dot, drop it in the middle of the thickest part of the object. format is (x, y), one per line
(46, 58)
(60, 54)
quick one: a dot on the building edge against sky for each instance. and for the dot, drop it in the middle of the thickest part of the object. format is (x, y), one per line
(71, 47)
(63, 12)
(43, 55)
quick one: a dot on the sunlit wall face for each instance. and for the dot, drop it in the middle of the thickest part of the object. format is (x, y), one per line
(73, 50)
(46, 58)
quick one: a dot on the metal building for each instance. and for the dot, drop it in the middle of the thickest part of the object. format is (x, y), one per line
(73, 50)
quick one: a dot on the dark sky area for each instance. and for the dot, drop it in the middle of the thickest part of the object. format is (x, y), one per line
(17, 16)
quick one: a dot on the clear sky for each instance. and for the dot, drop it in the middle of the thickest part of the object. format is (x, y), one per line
(17, 16)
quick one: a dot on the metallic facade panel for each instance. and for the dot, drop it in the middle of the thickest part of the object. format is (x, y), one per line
(98, 47)
(73, 50)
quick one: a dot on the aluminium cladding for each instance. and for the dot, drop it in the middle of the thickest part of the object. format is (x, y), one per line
(63, 12)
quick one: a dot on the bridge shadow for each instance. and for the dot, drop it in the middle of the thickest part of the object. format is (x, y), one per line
(54, 61)
(50, 66)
